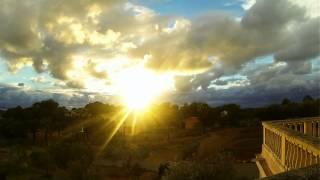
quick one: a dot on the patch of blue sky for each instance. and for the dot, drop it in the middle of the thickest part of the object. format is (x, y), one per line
(192, 8)
(236, 80)
(315, 64)
(13, 78)
(25, 76)
(264, 60)
(233, 77)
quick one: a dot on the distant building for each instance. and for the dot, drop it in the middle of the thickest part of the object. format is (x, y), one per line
(192, 123)
(224, 113)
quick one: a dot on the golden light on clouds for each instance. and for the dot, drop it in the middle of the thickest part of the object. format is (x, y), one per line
(134, 85)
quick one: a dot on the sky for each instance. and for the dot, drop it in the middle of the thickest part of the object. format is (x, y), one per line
(249, 52)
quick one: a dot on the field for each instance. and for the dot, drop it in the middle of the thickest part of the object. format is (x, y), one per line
(242, 143)
(140, 156)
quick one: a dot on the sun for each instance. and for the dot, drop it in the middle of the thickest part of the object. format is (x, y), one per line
(138, 87)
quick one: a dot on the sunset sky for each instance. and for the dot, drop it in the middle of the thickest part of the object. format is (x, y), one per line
(234, 51)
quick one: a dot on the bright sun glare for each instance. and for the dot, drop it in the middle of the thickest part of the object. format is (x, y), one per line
(138, 86)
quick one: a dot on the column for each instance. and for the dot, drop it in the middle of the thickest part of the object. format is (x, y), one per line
(312, 159)
(301, 128)
(283, 150)
(309, 159)
(264, 135)
(301, 157)
(295, 156)
(292, 127)
(289, 155)
(308, 128)
(305, 158)
(314, 130)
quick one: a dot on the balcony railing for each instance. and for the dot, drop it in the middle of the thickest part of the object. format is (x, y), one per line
(290, 144)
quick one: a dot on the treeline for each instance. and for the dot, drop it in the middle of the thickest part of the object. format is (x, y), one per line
(48, 117)
(234, 115)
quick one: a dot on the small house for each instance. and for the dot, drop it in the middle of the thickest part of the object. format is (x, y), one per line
(192, 123)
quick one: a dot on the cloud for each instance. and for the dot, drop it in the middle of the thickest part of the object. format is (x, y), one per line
(49, 33)
(183, 83)
(20, 84)
(268, 27)
(304, 44)
(78, 41)
(269, 83)
(39, 79)
(312, 6)
(52, 37)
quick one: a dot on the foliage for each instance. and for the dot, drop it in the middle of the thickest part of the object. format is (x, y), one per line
(124, 151)
(48, 117)
(219, 168)
(65, 153)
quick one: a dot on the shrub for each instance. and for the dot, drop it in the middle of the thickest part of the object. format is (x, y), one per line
(219, 168)
(64, 153)
(41, 159)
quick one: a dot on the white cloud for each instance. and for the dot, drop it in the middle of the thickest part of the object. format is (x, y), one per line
(247, 4)
(312, 7)
(39, 79)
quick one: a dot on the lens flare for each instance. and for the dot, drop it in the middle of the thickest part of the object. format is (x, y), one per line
(139, 87)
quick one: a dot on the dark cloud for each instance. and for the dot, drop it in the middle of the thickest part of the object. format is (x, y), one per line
(269, 83)
(20, 84)
(271, 15)
(11, 96)
(304, 44)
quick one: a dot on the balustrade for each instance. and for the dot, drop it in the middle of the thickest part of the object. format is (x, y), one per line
(291, 144)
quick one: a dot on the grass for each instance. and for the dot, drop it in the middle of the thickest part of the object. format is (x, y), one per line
(149, 150)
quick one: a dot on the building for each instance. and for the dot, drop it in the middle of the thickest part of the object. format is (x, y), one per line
(192, 123)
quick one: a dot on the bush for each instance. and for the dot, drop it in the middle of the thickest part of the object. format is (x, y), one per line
(64, 153)
(41, 159)
(77, 170)
(123, 151)
(219, 168)
(189, 150)
(73, 159)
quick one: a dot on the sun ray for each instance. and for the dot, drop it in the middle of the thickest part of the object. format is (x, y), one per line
(114, 118)
(134, 121)
(72, 129)
(115, 130)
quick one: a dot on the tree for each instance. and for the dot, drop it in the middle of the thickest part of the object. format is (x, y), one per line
(60, 119)
(285, 101)
(307, 99)
(12, 125)
(41, 159)
(44, 112)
